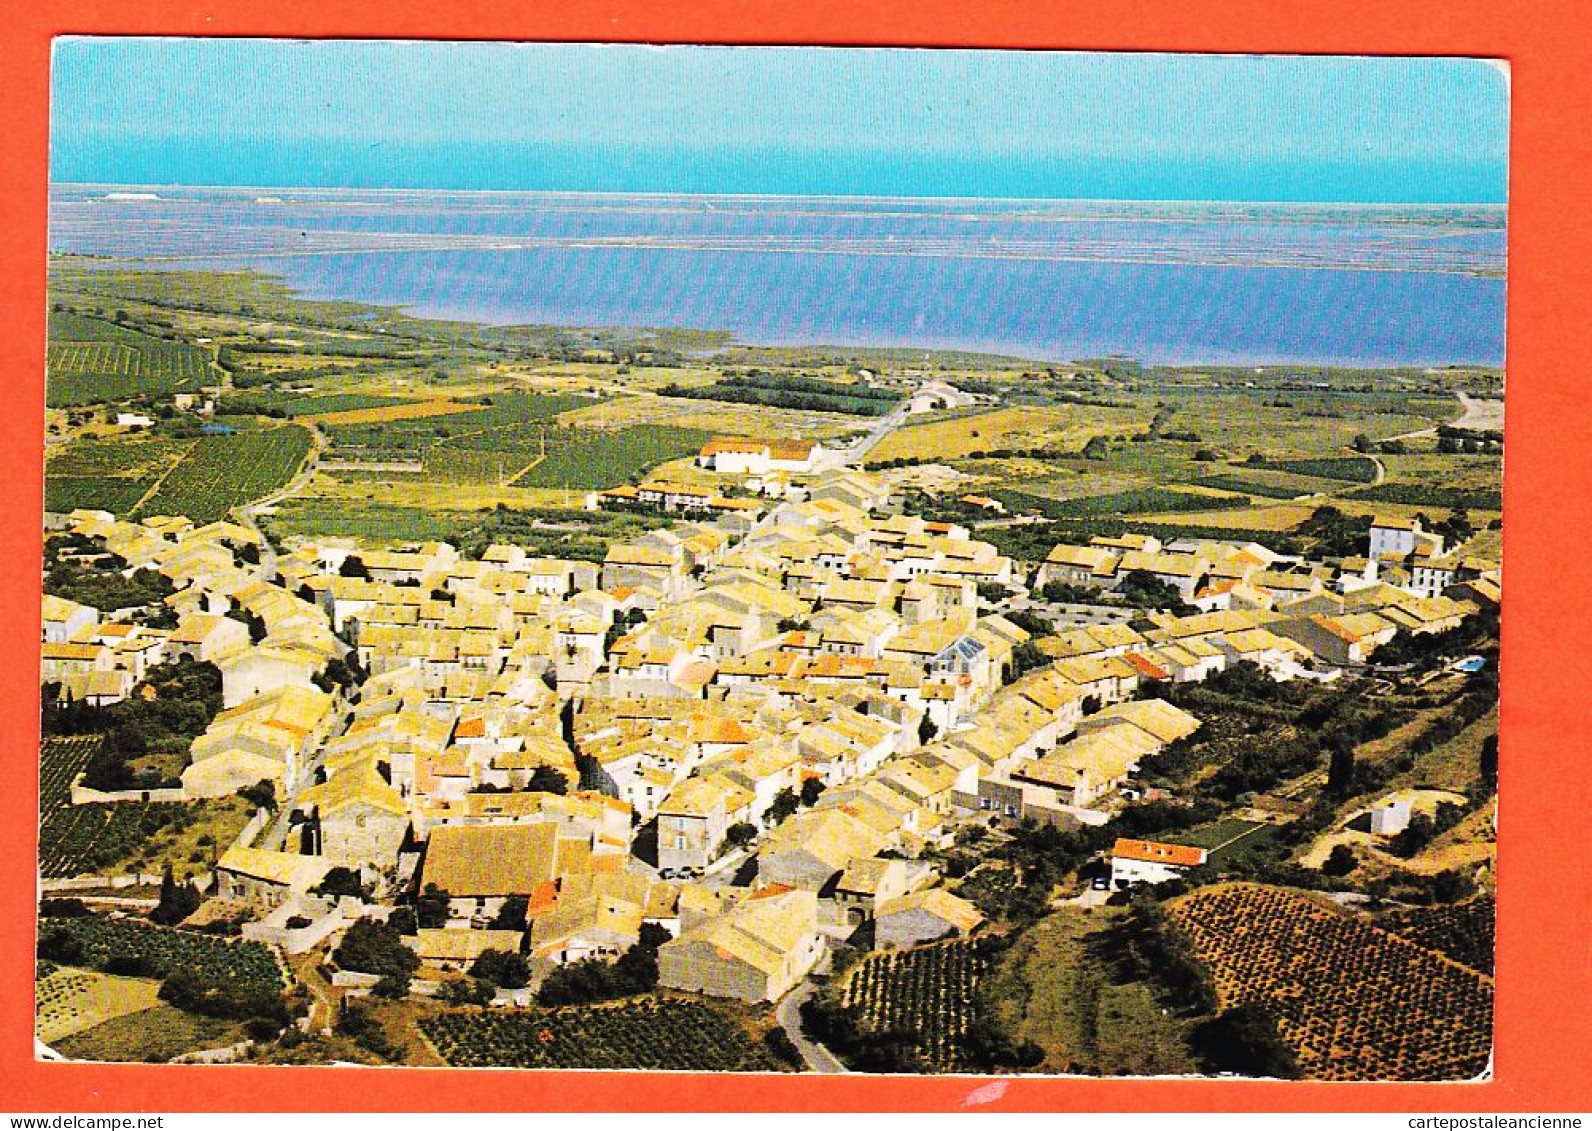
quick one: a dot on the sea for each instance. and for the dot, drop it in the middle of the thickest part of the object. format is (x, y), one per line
(1162, 282)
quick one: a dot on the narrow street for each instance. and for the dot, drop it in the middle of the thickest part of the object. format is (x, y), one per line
(788, 1014)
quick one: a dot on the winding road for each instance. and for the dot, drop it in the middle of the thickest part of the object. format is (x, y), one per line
(301, 479)
(816, 1056)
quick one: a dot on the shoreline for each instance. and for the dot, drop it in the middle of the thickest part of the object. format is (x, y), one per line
(960, 352)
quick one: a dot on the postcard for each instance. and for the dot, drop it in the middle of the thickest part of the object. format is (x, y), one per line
(780, 560)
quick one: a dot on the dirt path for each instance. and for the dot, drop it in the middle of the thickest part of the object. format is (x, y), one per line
(301, 479)
(154, 487)
(1480, 415)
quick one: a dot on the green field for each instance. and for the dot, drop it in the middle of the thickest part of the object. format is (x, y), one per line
(1432, 495)
(1354, 469)
(1059, 988)
(1146, 500)
(680, 1036)
(98, 941)
(592, 459)
(222, 472)
(313, 405)
(108, 474)
(150, 1036)
(1268, 485)
(64, 493)
(91, 360)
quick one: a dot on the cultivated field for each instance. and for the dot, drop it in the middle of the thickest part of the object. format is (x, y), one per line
(92, 359)
(124, 837)
(668, 1035)
(1064, 427)
(1351, 1001)
(223, 472)
(385, 413)
(150, 1036)
(71, 1000)
(157, 951)
(1463, 931)
(927, 991)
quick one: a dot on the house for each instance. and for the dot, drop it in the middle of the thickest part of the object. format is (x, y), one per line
(694, 819)
(206, 637)
(362, 819)
(64, 620)
(452, 948)
(1152, 862)
(267, 878)
(814, 847)
(757, 951)
(736, 455)
(866, 884)
(1342, 640)
(1393, 537)
(481, 866)
(1092, 566)
(260, 671)
(923, 916)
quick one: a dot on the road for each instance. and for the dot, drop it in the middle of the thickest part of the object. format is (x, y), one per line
(788, 1014)
(858, 452)
(248, 512)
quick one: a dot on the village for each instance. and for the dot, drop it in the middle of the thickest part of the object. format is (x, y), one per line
(740, 743)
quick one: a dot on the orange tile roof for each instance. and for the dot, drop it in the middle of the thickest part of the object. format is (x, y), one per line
(1147, 666)
(1154, 852)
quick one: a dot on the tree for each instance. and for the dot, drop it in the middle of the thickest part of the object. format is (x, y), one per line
(811, 788)
(927, 729)
(354, 566)
(511, 916)
(394, 987)
(431, 908)
(1363, 444)
(546, 779)
(262, 794)
(502, 968)
(177, 901)
(740, 834)
(466, 991)
(1489, 763)
(342, 881)
(1340, 769)
(784, 804)
(1340, 861)
(373, 947)
(1245, 1040)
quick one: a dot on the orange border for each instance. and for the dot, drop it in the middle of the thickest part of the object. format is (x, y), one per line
(1545, 954)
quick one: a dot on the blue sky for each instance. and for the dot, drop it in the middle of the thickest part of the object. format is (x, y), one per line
(786, 120)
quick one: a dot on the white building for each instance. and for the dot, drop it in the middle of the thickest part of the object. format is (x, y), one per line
(1390, 818)
(1151, 862)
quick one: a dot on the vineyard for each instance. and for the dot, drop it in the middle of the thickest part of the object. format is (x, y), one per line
(222, 472)
(683, 1036)
(61, 760)
(79, 840)
(1463, 931)
(1352, 469)
(927, 990)
(91, 360)
(1353, 1002)
(587, 459)
(109, 474)
(135, 944)
(82, 840)
(68, 1001)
